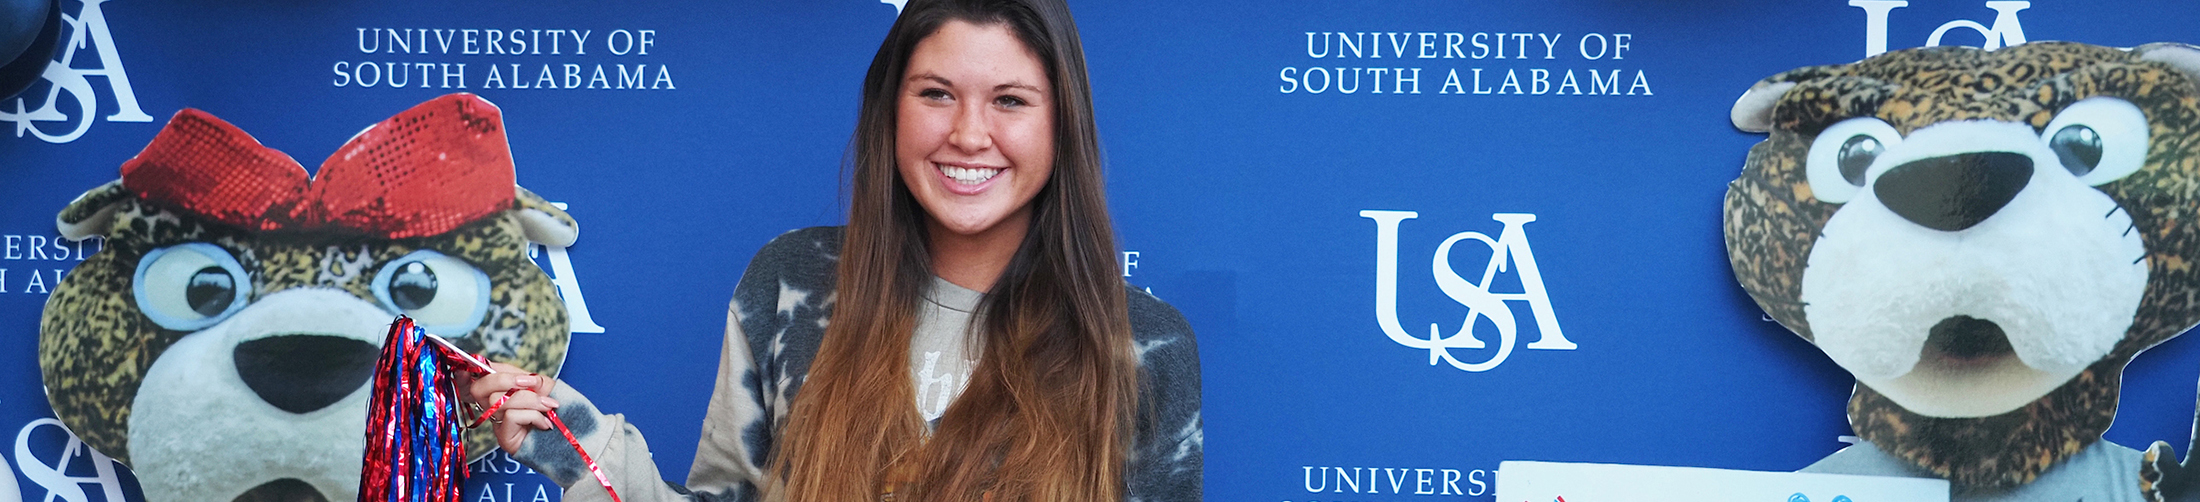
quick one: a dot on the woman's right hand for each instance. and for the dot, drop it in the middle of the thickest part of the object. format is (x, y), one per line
(523, 412)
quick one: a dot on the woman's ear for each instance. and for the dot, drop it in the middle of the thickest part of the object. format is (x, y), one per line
(544, 223)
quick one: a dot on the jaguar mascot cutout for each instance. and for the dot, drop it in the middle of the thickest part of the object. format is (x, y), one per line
(221, 342)
(1983, 239)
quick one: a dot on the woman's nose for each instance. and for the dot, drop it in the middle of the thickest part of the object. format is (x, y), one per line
(971, 132)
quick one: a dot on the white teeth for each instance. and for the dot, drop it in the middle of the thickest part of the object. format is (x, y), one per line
(969, 175)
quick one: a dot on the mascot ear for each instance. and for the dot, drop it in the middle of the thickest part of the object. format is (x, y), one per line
(1753, 112)
(92, 213)
(544, 223)
(2184, 58)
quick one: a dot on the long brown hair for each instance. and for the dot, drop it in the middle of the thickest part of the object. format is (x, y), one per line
(1047, 412)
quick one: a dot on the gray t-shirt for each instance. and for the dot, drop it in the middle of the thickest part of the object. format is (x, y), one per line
(944, 347)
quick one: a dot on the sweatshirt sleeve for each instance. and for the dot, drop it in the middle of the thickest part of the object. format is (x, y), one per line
(1168, 460)
(727, 465)
(787, 283)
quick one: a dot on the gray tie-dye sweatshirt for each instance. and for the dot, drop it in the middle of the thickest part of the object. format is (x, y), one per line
(778, 315)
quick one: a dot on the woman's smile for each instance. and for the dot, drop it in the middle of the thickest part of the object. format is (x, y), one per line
(968, 179)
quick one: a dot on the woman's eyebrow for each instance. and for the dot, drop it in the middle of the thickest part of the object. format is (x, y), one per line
(949, 83)
(935, 78)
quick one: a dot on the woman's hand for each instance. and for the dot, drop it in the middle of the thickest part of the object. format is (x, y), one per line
(523, 412)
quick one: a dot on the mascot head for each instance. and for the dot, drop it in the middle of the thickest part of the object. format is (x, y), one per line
(1983, 238)
(222, 340)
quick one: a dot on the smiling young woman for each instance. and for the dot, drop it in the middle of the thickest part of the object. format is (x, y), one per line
(974, 143)
(967, 335)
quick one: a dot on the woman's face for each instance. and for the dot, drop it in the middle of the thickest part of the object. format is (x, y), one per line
(975, 138)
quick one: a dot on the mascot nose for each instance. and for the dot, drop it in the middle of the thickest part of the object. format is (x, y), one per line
(282, 490)
(1953, 192)
(302, 373)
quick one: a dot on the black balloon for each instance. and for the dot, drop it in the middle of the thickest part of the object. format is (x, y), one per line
(28, 32)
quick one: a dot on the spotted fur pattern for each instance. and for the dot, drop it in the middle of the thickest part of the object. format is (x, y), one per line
(1772, 220)
(96, 345)
(2154, 471)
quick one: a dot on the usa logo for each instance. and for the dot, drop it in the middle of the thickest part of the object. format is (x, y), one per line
(1509, 251)
(2005, 30)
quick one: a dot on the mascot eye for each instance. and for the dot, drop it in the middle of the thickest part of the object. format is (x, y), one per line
(190, 286)
(2078, 147)
(1840, 160)
(2099, 139)
(413, 287)
(1857, 155)
(210, 292)
(443, 295)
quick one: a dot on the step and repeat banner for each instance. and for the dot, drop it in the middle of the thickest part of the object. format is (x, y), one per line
(1415, 238)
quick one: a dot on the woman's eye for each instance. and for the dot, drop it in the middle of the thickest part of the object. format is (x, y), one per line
(1010, 102)
(934, 94)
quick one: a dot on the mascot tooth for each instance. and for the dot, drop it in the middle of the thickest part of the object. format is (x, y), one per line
(222, 341)
(1983, 239)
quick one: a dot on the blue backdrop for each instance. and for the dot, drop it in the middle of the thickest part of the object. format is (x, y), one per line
(1243, 140)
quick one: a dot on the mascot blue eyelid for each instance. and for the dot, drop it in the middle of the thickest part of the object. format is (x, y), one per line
(1984, 239)
(222, 340)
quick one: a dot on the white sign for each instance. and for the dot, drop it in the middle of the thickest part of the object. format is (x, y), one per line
(1569, 482)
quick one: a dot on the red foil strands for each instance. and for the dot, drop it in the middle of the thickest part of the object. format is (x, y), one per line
(414, 449)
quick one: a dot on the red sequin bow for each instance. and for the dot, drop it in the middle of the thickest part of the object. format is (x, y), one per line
(422, 172)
